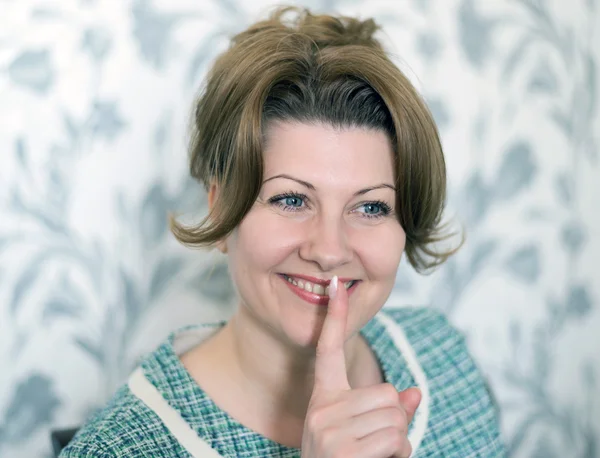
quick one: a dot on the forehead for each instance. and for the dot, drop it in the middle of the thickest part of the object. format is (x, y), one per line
(327, 154)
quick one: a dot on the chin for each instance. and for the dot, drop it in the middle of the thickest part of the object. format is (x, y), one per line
(302, 332)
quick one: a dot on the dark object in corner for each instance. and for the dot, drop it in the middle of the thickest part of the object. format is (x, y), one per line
(60, 438)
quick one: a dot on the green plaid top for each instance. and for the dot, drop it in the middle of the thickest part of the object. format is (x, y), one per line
(457, 414)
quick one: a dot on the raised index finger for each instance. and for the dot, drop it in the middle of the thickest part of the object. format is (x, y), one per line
(330, 364)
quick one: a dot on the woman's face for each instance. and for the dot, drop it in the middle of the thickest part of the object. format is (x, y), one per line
(326, 207)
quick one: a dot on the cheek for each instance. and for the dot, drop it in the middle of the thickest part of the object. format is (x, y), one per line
(380, 252)
(261, 242)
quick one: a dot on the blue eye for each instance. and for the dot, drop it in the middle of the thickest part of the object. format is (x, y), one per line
(289, 201)
(293, 201)
(372, 208)
(375, 209)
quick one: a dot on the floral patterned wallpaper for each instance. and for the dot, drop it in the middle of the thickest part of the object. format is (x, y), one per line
(94, 100)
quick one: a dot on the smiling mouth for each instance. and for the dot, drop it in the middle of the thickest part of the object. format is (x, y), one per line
(319, 289)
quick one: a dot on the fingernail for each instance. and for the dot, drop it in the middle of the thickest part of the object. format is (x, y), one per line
(333, 287)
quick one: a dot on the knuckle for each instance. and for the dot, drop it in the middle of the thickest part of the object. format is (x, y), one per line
(326, 441)
(399, 443)
(315, 420)
(399, 419)
(389, 393)
(396, 440)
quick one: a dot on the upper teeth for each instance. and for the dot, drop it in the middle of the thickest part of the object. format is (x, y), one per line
(314, 287)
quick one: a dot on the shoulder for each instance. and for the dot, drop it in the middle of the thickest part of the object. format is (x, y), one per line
(430, 333)
(419, 322)
(439, 347)
(126, 427)
(460, 402)
(102, 433)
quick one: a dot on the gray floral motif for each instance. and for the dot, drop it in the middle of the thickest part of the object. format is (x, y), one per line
(573, 236)
(524, 264)
(439, 112)
(579, 302)
(543, 79)
(166, 270)
(153, 31)
(564, 188)
(476, 199)
(96, 41)
(517, 171)
(33, 69)
(215, 283)
(429, 45)
(64, 303)
(153, 215)
(475, 33)
(424, 5)
(33, 405)
(482, 254)
(105, 121)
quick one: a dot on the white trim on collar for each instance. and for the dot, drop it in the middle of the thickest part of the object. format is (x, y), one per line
(421, 417)
(185, 435)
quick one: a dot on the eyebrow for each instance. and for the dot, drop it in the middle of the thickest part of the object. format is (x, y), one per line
(306, 184)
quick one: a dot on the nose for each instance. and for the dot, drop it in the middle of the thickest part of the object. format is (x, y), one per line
(327, 244)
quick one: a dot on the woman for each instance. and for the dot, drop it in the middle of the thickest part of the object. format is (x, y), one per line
(322, 166)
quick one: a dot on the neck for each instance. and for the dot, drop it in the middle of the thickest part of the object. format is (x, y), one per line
(278, 374)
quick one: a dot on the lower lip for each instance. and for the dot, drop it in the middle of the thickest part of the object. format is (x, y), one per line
(313, 298)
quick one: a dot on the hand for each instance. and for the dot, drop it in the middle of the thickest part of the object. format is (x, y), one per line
(369, 422)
